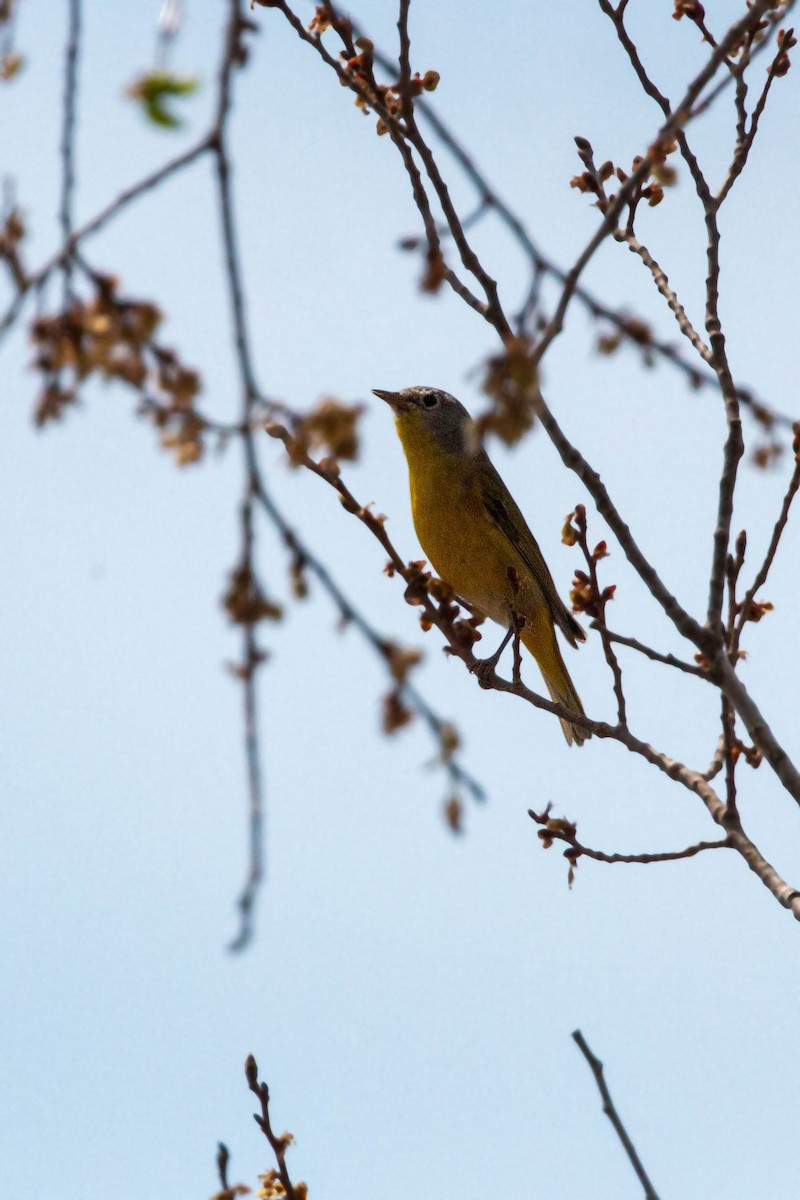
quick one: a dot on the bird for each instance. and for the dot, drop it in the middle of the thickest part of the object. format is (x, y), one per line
(475, 537)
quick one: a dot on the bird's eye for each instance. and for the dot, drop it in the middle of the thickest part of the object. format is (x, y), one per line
(430, 399)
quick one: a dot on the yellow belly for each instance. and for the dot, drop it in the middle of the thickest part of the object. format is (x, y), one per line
(464, 546)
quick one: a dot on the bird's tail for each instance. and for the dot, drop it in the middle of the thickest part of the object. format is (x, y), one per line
(539, 636)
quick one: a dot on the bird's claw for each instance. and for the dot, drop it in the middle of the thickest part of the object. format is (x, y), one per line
(483, 668)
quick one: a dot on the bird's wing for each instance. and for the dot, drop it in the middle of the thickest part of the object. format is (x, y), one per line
(506, 516)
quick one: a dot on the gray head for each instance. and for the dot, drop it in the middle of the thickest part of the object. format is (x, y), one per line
(427, 410)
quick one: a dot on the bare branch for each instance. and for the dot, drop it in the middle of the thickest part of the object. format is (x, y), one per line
(662, 283)
(494, 311)
(669, 660)
(772, 549)
(722, 673)
(609, 1109)
(560, 830)
(572, 458)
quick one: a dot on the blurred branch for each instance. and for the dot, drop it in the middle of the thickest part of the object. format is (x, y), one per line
(252, 655)
(441, 729)
(610, 1110)
(38, 278)
(223, 1158)
(68, 138)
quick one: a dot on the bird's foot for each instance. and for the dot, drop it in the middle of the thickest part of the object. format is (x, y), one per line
(483, 669)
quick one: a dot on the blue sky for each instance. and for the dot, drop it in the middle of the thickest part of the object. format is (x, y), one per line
(409, 996)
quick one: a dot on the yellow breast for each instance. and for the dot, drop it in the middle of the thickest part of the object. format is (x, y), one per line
(455, 532)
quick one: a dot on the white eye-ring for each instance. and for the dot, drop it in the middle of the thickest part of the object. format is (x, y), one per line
(430, 399)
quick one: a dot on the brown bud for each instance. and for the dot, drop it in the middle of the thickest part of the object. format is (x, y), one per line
(251, 1071)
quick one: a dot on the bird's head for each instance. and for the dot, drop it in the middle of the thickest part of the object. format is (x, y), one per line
(427, 411)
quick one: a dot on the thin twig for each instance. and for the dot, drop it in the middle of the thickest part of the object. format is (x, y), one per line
(730, 748)
(405, 61)
(98, 222)
(746, 135)
(556, 829)
(655, 856)
(729, 753)
(610, 1110)
(715, 766)
(669, 660)
(599, 604)
(772, 549)
(278, 1142)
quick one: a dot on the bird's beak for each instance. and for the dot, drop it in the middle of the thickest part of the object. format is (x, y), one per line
(395, 401)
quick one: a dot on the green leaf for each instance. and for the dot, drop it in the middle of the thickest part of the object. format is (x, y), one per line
(154, 89)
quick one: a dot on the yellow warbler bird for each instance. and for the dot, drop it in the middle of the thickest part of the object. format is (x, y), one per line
(475, 536)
